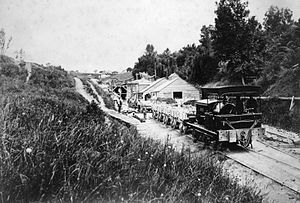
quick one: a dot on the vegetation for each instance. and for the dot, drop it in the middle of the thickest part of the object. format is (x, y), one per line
(276, 113)
(56, 147)
(4, 42)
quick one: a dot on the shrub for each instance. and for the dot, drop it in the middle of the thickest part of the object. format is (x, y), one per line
(12, 70)
(276, 112)
(51, 77)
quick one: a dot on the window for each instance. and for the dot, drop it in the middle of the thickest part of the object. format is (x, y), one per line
(177, 95)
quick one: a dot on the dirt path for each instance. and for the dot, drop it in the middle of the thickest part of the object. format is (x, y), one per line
(271, 190)
(80, 89)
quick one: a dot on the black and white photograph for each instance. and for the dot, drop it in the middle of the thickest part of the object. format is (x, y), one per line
(149, 101)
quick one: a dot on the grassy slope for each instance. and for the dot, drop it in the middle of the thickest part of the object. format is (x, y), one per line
(54, 148)
(276, 112)
(287, 85)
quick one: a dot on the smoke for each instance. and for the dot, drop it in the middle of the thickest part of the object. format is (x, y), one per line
(215, 84)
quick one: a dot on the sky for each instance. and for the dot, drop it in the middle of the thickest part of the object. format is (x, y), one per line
(88, 35)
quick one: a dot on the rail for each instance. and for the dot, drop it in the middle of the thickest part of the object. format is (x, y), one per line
(283, 169)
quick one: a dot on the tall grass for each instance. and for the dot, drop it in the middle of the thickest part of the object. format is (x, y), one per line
(59, 149)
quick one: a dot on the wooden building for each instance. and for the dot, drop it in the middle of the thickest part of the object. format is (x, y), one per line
(135, 88)
(176, 88)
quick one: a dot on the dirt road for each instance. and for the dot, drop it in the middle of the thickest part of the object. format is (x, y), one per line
(270, 189)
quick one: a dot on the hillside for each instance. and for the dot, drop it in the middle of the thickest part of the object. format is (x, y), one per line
(5, 59)
(287, 85)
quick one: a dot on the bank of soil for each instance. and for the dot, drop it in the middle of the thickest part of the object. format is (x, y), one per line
(269, 189)
(285, 141)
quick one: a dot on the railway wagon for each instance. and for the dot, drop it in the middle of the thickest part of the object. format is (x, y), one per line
(227, 114)
(173, 115)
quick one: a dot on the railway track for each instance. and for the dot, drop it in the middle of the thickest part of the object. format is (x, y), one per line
(274, 164)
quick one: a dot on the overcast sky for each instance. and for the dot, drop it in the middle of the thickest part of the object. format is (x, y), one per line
(86, 35)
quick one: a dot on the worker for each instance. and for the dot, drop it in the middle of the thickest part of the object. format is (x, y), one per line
(139, 105)
(239, 105)
(145, 113)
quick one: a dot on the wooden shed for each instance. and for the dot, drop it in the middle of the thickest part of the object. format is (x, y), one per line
(176, 88)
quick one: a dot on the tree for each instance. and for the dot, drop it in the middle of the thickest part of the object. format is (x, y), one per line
(166, 63)
(149, 49)
(282, 39)
(146, 63)
(184, 61)
(4, 43)
(233, 38)
(20, 55)
(277, 21)
(206, 39)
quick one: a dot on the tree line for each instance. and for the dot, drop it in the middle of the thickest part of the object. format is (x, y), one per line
(237, 49)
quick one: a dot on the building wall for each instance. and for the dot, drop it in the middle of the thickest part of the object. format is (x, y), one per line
(134, 89)
(179, 85)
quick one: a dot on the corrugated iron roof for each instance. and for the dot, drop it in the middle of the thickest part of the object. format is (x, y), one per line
(152, 84)
(165, 84)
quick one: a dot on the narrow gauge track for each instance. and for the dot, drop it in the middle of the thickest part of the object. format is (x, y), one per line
(272, 163)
